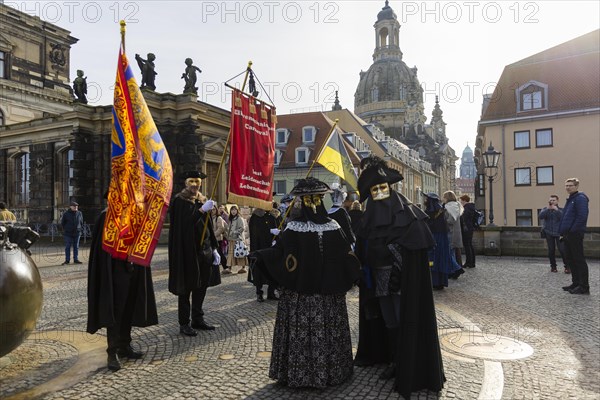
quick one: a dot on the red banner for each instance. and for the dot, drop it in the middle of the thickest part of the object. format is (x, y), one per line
(252, 152)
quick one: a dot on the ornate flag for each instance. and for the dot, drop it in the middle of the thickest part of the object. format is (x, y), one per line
(142, 176)
(251, 161)
(335, 158)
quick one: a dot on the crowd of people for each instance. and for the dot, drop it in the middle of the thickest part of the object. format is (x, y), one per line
(395, 251)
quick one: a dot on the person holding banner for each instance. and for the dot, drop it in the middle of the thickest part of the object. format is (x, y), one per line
(192, 252)
(312, 262)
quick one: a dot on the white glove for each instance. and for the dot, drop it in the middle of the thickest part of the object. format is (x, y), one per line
(274, 231)
(216, 258)
(206, 207)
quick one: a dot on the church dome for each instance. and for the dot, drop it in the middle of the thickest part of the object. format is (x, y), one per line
(388, 80)
(467, 152)
(386, 13)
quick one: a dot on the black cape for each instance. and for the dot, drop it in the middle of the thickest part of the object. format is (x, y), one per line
(261, 238)
(190, 265)
(418, 356)
(341, 216)
(296, 261)
(101, 308)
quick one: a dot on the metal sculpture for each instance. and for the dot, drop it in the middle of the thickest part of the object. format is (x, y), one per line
(20, 287)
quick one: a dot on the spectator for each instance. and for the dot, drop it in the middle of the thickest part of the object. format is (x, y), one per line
(355, 214)
(551, 216)
(72, 226)
(6, 215)
(572, 228)
(235, 233)
(223, 213)
(220, 227)
(261, 225)
(440, 255)
(453, 212)
(467, 220)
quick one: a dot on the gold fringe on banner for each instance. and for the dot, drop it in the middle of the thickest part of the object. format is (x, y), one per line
(251, 106)
(273, 116)
(233, 198)
(238, 101)
(263, 112)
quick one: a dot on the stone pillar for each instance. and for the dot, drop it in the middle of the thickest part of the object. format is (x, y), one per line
(41, 183)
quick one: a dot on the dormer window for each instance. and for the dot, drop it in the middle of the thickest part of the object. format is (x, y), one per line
(277, 158)
(308, 134)
(532, 96)
(281, 136)
(302, 156)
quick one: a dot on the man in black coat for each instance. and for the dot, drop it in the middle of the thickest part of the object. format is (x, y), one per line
(392, 245)
(120, 295)
(261, 225)
(190, 261)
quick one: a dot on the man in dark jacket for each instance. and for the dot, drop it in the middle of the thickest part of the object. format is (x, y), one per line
(261, 225)
(72, 225)
(120, 295)
(572, 228)
(467, 220)
(190, 260)
(551, 215)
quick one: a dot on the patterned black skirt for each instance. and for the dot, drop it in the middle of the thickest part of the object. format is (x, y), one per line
(311, 342)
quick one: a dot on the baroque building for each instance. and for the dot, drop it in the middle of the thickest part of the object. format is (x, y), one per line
(389, 96)
(54, 149)
(468, 169)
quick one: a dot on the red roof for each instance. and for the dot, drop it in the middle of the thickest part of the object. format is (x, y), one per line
(571, 70)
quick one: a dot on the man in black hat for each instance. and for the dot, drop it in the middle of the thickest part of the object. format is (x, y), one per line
(72, 225)
(392, 243)
(190, 260)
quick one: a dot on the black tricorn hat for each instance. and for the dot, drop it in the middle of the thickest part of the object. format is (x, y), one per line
(287, 198)
(374, 172)
(310, 185)
(193, 174)
(432, 195)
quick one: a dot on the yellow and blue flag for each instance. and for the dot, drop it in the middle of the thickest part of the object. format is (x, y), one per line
(335, 158)
(141, 175)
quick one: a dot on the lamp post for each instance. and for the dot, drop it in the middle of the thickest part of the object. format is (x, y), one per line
(490, 159)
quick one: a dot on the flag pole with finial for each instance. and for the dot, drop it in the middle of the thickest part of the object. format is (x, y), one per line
(123, 24)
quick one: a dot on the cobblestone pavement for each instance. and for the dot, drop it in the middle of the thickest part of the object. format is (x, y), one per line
(507, 329)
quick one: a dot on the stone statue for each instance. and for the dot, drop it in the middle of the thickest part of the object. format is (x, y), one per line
(190, 77)
(147, 68)
(80, 87)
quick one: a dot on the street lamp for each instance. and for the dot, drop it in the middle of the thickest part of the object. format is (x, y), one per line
(490, 159)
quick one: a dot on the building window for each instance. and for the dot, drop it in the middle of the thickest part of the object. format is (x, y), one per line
(21, 179)
(65, 175)
(302, 156)
(308, 134)
(524, 218)
(545, 175)
(375, 94)
(1, 118)
(532, 96)
(543, 138)
(532, 101)
(539, 221)
(277, 159)
(2, 64)
(522, 176)
(522, 140)
(281, 136)
(279, 187)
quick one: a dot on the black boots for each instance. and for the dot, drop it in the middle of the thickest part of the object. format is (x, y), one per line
(187, 330)
(203, 326)
(129, 352)
(113, 363)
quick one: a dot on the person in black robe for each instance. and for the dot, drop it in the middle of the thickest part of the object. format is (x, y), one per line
(190, 261)
(260, 225)
(120, 295)
(339, 213)
(313, 264)
(392, 244)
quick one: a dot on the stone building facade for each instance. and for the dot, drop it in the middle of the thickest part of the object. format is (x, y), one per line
(54, 149)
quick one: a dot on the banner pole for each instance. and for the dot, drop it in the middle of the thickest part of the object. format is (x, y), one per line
(123, 24)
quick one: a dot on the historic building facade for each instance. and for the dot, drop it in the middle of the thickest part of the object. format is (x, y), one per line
(54, 149)
(389, 96)
(544, 117)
